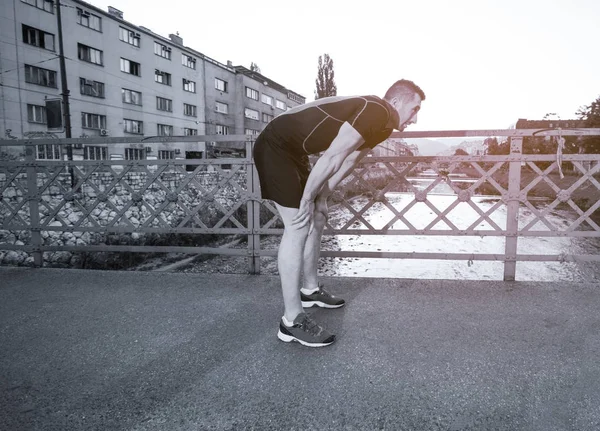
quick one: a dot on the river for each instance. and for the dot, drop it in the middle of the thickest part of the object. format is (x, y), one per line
(462, 216)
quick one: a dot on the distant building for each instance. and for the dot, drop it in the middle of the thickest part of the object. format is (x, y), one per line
(124, 80)
(394, 147)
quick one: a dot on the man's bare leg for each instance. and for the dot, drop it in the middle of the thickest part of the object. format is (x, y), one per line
(289, 262)
(312, 249)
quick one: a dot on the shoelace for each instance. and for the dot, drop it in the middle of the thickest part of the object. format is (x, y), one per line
(310, 326)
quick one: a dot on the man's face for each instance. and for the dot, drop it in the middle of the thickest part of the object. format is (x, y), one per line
(408, 108)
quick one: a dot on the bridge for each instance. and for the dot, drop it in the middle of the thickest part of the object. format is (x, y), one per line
(86, 349)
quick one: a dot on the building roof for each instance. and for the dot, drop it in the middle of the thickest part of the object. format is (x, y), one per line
(269, 82)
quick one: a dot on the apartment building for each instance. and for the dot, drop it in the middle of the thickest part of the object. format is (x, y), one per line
(124, 80)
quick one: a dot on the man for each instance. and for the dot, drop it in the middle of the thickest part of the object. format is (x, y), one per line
(345, 129)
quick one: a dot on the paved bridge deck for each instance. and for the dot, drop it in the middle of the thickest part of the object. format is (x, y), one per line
(95, 350)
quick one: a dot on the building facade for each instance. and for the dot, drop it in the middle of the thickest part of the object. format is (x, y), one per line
(123, 80)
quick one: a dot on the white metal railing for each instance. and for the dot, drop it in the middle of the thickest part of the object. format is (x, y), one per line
(179, 197)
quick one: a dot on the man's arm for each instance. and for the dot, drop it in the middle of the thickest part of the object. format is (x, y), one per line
(348, 166)
(347, 141)
(333, 160)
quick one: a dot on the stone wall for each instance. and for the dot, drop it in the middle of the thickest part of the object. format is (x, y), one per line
(130, 203)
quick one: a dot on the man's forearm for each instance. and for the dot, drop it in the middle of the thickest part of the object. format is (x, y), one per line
(337, 178)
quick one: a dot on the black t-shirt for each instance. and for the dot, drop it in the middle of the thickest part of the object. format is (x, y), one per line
(310, 128)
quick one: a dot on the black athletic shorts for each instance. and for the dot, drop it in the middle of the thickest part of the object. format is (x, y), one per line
(282, 173)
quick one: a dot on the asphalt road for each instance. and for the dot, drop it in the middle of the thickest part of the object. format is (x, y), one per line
(101, 350)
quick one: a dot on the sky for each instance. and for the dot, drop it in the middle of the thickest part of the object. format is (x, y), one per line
(482, 64)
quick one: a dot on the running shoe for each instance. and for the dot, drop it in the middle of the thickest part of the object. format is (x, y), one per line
(321, 298)
(306, 332)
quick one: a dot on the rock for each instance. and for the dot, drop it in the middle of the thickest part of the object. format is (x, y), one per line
(104, 215)
(73, 217)
(18, 242)
(61, 257)
(13, 257)
(10, 193)
(77, 234)
(76, 261)
(55, 223)
(80, 242)
(135, 236)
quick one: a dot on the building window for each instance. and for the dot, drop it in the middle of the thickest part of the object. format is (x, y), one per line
(189, 110)
(88, 87)
(166, 154)
(93, 121)
(223, 108)
(251, 93)
(281, 105)
(130, 67)
(91, 152)
(163, 104)
(189, 85)
(266, 117)
(130, 37)
(161, 50)
(135, 154)
(133, 126)
(47, 5)
(266, 99)
(251, 132)
(39, 38)
(90, 20)
(48, 152)
(36, 114)
(221, 85)
(190, 132)
(164, 130)
(39, 76)
(251, 113)
(222, 130)
(130, 96)
(89, 54)
(188, 61)
(162, 77)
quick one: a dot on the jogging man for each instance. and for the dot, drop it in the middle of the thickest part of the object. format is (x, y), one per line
(345, 129)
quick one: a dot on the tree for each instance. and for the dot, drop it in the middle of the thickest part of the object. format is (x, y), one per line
(460, 152)
(591, 116)
(325, 78)
(254, 67)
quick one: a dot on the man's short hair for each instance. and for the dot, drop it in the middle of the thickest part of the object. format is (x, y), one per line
(402, 88)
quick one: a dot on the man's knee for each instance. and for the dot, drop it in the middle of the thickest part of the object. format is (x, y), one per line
(320, 217)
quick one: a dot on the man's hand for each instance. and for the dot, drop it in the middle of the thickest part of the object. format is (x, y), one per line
(305, 215)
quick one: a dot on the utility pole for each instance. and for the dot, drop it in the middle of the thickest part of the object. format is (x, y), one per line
(65, 88)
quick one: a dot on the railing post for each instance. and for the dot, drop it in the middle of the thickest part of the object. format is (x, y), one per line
(253, 211)
(512, 213)
(34, 210)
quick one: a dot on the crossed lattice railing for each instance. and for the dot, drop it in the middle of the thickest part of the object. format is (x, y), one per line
(174, 205)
